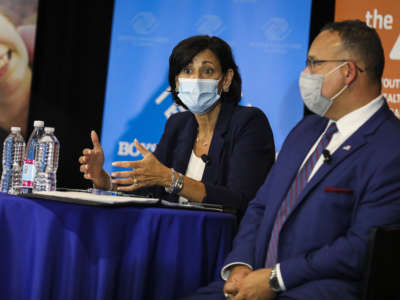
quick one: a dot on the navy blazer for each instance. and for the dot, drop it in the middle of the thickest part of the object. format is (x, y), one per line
(323, 243)
(241, 153)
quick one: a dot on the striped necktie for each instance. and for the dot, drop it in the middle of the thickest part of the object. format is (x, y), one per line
(294, 191)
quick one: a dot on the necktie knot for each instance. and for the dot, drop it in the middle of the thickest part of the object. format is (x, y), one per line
(332, 129)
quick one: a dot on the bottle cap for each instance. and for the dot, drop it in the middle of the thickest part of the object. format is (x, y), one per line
(49, 129)
(15, 129)
(38, 123)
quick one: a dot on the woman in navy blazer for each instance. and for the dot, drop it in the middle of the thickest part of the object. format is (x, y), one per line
(216, 152)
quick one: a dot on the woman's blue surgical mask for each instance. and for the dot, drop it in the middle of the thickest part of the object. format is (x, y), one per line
(199, 95)
(310, 90)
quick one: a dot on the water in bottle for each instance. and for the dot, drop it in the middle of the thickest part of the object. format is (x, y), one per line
(28, 170)
(46, 161)
(13, 151)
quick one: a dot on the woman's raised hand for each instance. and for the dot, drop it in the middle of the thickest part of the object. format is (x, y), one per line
(92, 162)
(146, 172)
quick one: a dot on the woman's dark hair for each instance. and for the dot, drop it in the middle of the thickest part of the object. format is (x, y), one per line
(184, 52)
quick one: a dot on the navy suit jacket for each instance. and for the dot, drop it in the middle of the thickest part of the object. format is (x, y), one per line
(325, 237)
(241, 153)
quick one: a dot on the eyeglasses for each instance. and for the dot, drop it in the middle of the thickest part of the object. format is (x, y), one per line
(311, 63)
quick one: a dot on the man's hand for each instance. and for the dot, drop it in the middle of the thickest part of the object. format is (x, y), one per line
(255, 286)
(236, 276)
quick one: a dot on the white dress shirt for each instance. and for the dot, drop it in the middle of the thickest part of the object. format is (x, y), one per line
(194, 170)
(347, 125)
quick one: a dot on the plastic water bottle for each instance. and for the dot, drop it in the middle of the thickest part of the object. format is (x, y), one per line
(28, 170)
(13, 151)
(46, 161)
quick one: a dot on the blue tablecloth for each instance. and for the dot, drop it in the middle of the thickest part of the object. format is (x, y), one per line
(55, 250)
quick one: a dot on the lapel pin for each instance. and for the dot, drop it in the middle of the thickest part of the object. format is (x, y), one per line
(347, 147)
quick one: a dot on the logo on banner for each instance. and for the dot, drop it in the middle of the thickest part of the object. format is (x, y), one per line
(210, 25)
(395, 53)
(144, 23)
(276, 29)
(129, 149)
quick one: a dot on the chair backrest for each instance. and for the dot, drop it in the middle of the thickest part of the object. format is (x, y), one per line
(382, 281)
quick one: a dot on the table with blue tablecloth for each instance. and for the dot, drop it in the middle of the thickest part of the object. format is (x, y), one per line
(57, 250)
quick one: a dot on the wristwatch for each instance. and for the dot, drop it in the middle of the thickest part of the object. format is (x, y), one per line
(274, 282)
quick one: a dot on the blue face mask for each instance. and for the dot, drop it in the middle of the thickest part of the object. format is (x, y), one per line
(199, 95)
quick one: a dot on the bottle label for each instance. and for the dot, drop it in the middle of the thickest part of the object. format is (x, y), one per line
(28, 173)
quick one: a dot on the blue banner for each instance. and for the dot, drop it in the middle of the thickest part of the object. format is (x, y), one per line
(269, 40)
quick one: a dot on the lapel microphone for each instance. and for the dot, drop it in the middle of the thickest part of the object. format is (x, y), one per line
(327, 156)
(205, 158)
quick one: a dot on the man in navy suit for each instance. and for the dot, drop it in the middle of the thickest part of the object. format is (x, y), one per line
(337, 175)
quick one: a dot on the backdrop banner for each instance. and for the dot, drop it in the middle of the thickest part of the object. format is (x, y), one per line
(384, 16)
(269, 41)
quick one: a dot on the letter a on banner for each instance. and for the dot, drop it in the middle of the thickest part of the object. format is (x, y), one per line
(395, 53)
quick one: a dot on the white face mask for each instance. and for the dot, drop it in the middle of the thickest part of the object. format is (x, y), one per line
(310, 90)
(199, 95)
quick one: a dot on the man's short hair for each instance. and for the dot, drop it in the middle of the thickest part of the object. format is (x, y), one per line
(363, 41)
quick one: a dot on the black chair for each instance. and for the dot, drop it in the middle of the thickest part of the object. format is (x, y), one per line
(382, 281)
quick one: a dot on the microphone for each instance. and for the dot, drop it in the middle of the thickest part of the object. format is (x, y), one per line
(327, 156)
(205, 158)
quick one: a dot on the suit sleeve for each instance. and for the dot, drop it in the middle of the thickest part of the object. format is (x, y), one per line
(245, 241)
(345, 257)
(243, 248)
(250, 160)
